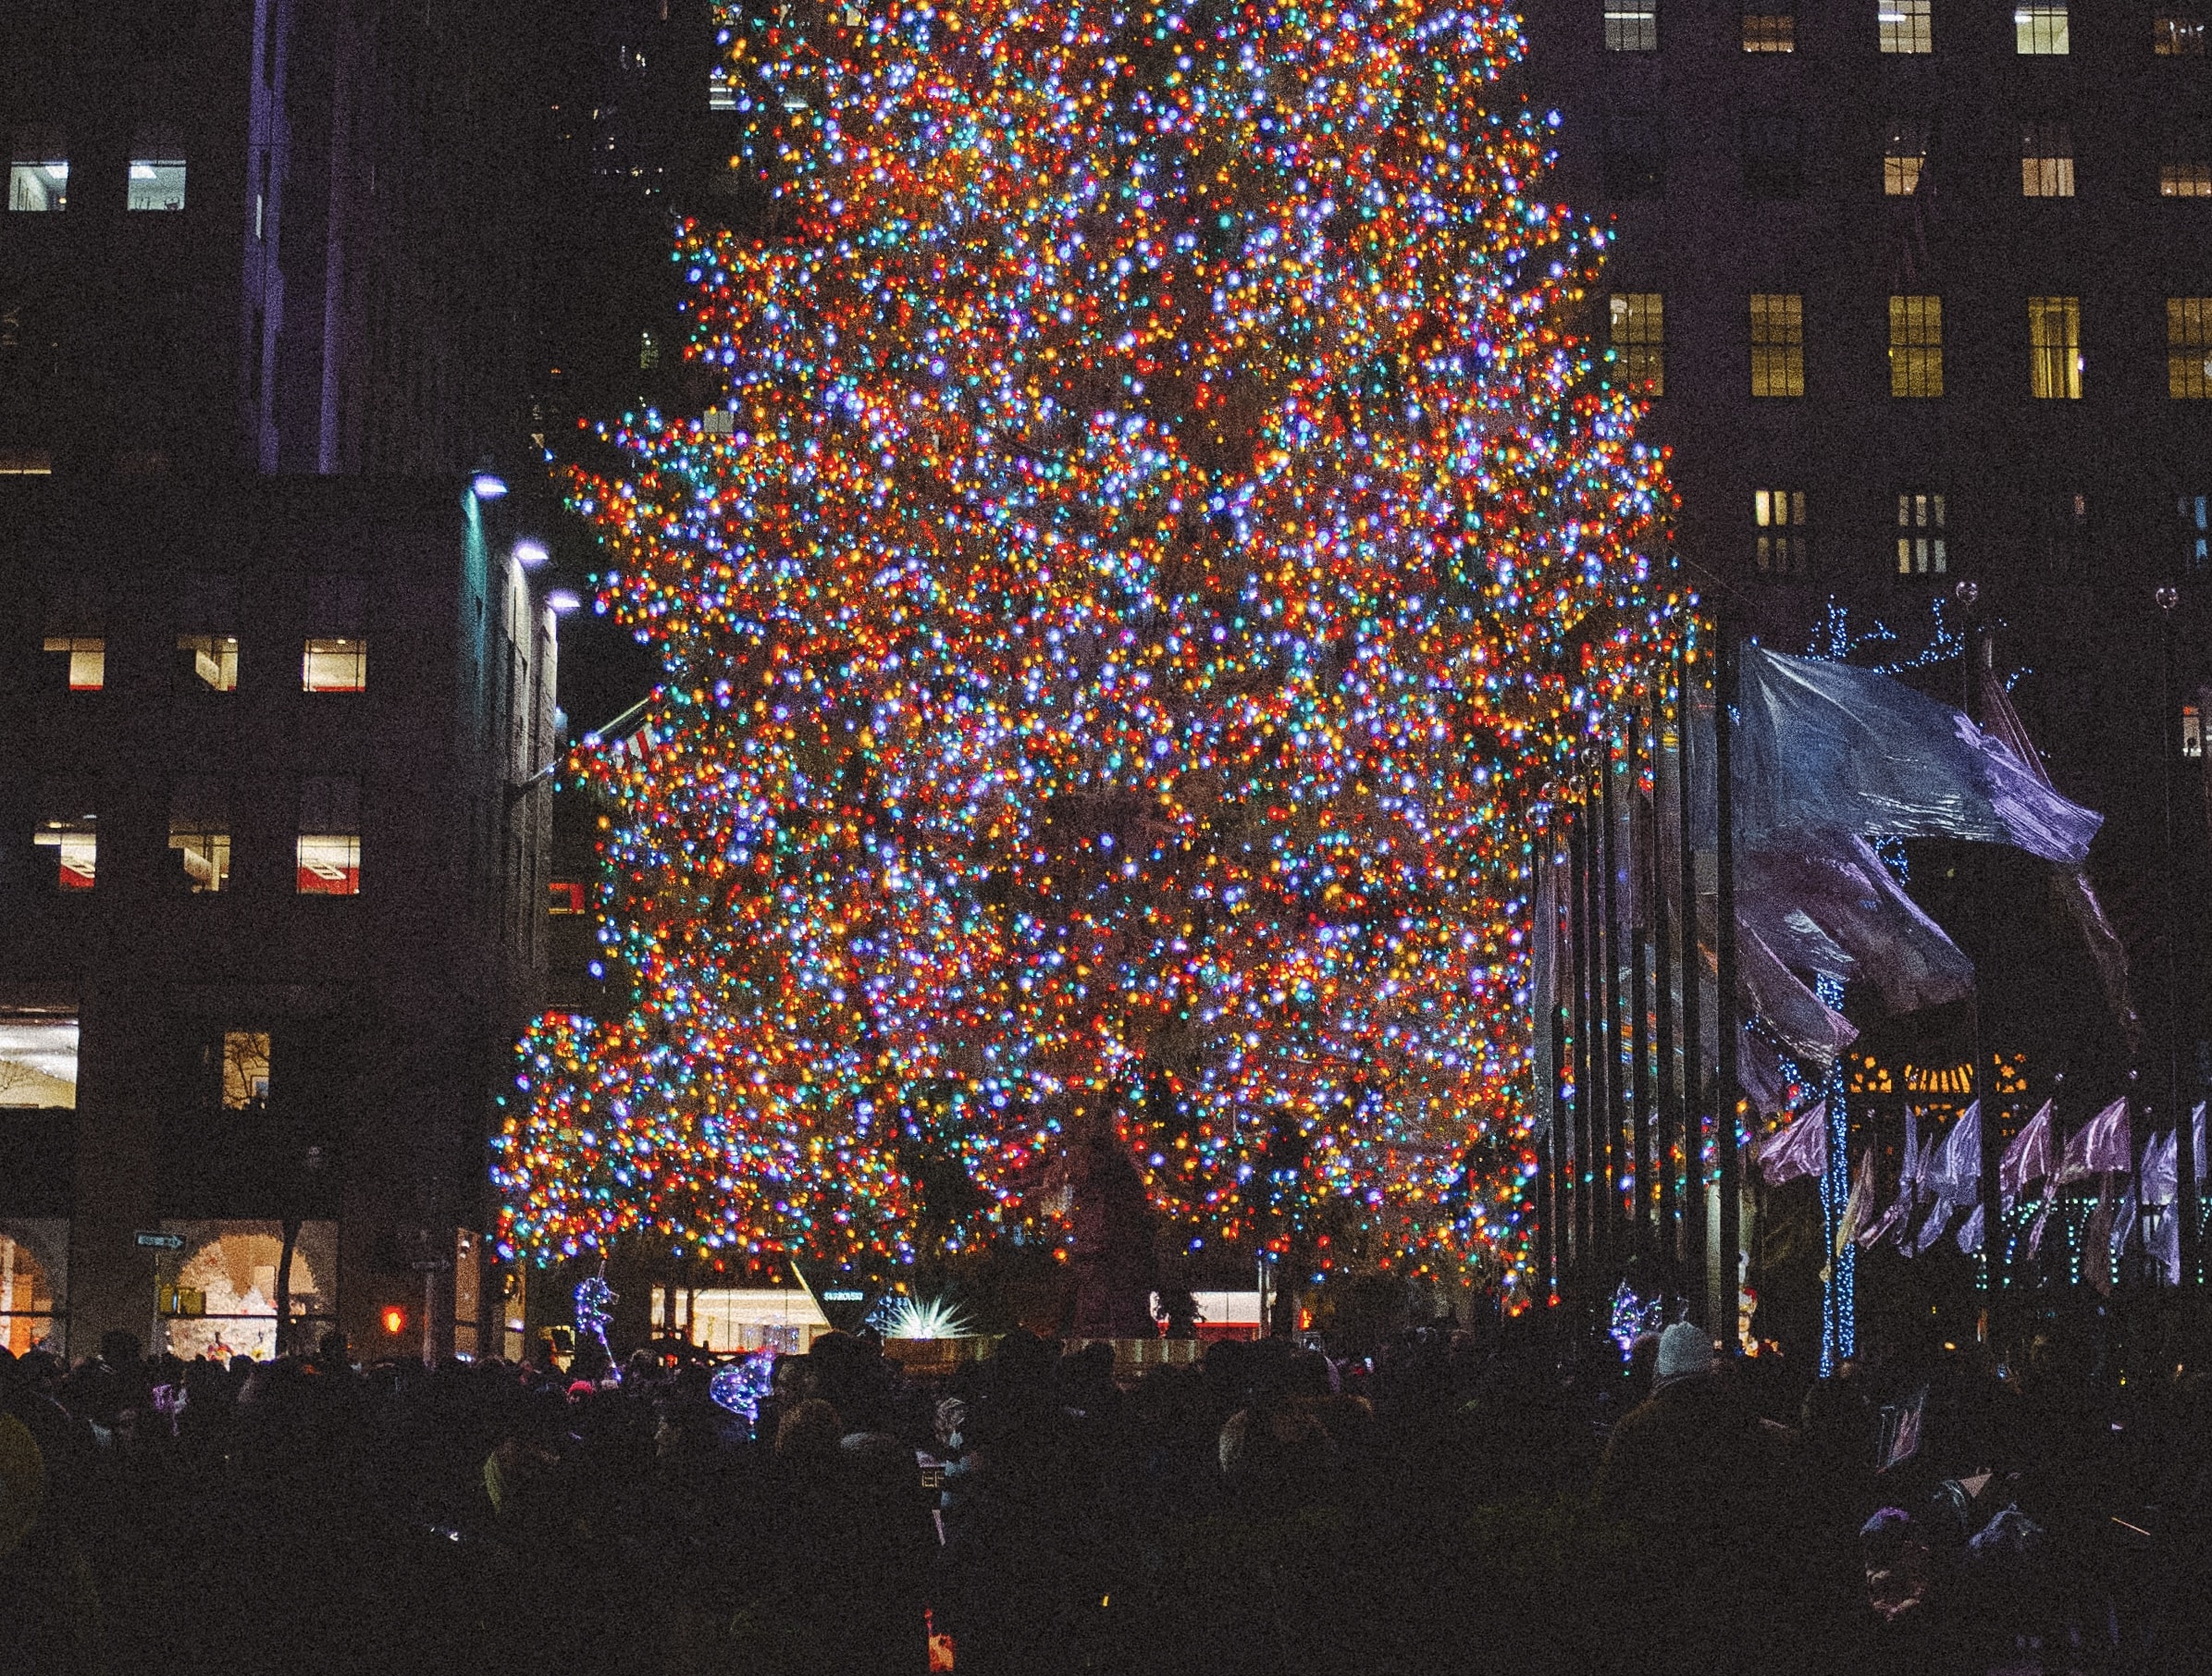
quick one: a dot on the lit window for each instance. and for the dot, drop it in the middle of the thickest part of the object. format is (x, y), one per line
(38, 173)
(245, 1070)
(1634, 158)
(1773, 158)
(2055, 348)
(2039, 30)
(2174, 37)
(337, 664)
(1921, 535)
(2185, 164)
(649, 352)
(2189, 347)
(26, 463)
(1916, 346)
(565, 896)
(37, 1060)
(157, 169)
(1904, 156)
(35, 1265)
(2047, 160)
(200, 834)
(2195, 532)
(1770, 32)
(1637, 329)
(71, 832)
(2192, 731)
(211, 659)
(87, 656)
(1631, 26)
(1777, 344)
(722, 92)
(329, 862)
(1778, 515)
(1905, 26)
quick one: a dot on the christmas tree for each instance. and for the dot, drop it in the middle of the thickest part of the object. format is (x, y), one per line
(1156, 543)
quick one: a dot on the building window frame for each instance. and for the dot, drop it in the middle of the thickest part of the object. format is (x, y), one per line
(1905, 26)
(1636, 335)
(2047, 159)
(1915, 347)
(2189, 349)
(2041, 29)
(2054, 359)
(1778, 526)
(1923, 533)
(1778, 343)
(1631, 26)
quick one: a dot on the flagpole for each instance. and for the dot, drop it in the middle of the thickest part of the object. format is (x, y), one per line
(1640, 1001)
(1726, 658)
(1669, 1110)
(2187, 1187)
(1578, 939)
(1609, 968)
(1971, 657)
(1693, 976)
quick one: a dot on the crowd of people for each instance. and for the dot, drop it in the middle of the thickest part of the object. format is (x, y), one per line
(1520, 1497)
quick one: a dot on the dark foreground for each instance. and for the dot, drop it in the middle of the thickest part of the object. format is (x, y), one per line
(1467, 1504)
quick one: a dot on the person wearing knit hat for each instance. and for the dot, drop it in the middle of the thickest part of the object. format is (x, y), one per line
(1684, 1353)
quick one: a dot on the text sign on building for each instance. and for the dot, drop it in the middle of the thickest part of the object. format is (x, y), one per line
(162, 1242)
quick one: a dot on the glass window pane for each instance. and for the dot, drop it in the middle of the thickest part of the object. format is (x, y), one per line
(329, 865)
(2040, 30)
(211, 660)
(1632, 26)
(38, 184)
(1905, 26)
(335, 665)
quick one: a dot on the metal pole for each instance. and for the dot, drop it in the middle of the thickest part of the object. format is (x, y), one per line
(1976, 1081)
(1579, 942)
(1561, 1198)
(1610, 965)
(1693, 981)
(1639, 1003)
(2188, 1188)
(1669, 1105)
(1728, 1097)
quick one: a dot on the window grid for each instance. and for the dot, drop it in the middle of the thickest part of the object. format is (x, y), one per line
(1778, 515)
(1637, 333)
(2176, 37)
(1916, 346)
(1904, 156)
(2055, 348)
(1905, 26)
(2040, 30)
(1921, 535)
(1632, 26)
(2047, 160)
(2187, 170)
(1777, 344)
(1770, 32)
(2189, 347)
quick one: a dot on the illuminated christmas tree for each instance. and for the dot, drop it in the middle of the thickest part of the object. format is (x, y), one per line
(1157, 543)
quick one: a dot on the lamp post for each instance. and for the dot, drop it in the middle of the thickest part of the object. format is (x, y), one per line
(2168, 597)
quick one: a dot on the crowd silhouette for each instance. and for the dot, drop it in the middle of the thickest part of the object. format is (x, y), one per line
(1517, 1497)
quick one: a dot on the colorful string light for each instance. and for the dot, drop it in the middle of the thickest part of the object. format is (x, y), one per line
(1157, 545)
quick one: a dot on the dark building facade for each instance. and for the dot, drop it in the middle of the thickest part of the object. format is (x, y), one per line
(272, 902)
(1920, 291)
(274, 819)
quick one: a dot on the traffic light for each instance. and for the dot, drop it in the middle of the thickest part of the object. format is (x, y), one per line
(395, 1320)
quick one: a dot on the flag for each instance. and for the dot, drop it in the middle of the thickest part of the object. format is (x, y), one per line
(2028, 1158)
(1897, 1219)
(2070, 885)
(1858, 1204)
(2161, 1178)
(2096, 1256)
(2197, 1143)
(2123, 1223)
(1970, 1233)
(1827, 904)
(2101, 1144)
(2165, 1245)
(1958, 1173)
(1798, 1148)
(2043, 1216)
(1809, 1028)
(1828, 747)
(1932, 1229)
